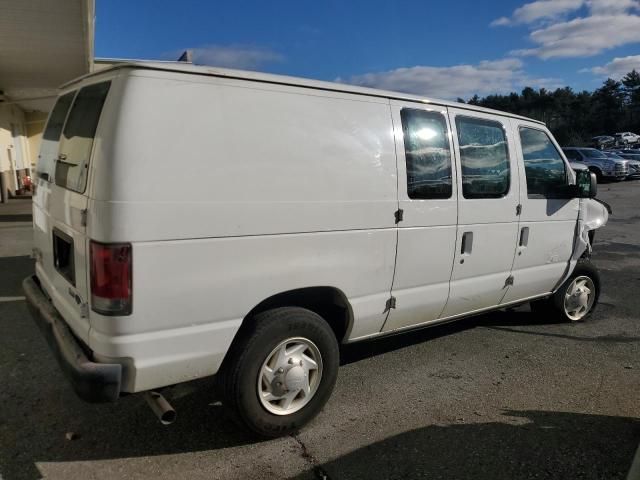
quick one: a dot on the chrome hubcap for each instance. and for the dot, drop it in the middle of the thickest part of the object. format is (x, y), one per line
(579, 298)
(290, 376)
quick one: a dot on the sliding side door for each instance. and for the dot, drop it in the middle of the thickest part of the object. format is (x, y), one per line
(427, 199)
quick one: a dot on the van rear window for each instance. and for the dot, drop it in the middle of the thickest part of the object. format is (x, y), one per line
(72, 165)
(51, 137)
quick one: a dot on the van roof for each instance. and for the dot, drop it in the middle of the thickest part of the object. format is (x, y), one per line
(287, 80)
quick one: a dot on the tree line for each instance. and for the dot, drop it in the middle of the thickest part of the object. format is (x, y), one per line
(576, 117)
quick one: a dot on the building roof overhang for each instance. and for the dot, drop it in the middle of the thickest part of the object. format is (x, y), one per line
(43, 44)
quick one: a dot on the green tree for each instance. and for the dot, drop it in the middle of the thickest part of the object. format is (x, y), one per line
(608, 106)
(575, 118)
(631, 82)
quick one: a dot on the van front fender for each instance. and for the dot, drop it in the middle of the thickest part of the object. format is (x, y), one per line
(593, 214)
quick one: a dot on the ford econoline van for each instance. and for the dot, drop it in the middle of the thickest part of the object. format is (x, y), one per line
(194, 221)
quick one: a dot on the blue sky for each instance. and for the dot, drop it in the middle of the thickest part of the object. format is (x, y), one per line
(434, 48)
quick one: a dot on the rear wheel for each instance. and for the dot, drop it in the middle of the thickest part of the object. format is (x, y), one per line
(281, 371)
(576, 298)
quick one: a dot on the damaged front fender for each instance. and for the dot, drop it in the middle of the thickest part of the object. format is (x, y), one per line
(593, 214)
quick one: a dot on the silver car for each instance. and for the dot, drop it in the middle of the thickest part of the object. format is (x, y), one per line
(603, 166)
(634, 162)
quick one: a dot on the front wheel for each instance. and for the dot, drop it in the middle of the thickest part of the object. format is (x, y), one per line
(576, 298)
(281, 371)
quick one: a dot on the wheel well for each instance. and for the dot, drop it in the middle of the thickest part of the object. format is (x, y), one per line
(328, 302)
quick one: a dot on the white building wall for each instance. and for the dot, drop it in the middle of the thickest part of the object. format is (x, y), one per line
(13, 156)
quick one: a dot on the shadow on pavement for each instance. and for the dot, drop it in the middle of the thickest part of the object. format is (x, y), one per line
(38, 409)
(549, 445)
(352, 353)
(12, 271)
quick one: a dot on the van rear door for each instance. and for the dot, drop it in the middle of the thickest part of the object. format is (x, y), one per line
(60, 203)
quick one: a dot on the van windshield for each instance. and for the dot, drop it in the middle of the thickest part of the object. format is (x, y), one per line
(77, 137)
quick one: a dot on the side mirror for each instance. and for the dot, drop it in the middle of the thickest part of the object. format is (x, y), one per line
(587, 184)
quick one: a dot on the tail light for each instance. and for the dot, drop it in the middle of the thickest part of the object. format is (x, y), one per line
(111, 278)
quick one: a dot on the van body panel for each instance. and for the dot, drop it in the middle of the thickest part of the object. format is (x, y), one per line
(487, 227)
(539, 265)
(221, 280)
(426, 236)
(217, 163)
(58, 212)
(238, 232)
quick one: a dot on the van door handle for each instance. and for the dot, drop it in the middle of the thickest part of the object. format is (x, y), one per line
(467, 243)
(524, 236)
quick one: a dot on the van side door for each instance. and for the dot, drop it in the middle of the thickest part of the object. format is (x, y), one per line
(548, 219)
(488, 206)
(427, 193)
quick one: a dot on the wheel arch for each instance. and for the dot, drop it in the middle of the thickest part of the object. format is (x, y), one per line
(329, 302)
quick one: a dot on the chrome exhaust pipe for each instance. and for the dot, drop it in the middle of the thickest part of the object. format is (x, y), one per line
(159, 405)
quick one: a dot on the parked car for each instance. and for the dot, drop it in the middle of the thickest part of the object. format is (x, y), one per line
(603, 141)
(627, 153)
(309, 224)
(578, 166)
(598, 162)
(634, 165)
(626, 138)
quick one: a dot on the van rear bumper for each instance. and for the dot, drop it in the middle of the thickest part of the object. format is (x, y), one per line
(92, 382)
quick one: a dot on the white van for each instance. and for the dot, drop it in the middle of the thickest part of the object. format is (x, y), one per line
(192, 221)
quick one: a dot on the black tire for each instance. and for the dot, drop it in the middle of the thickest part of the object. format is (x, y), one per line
(239, 375)
(554, 305)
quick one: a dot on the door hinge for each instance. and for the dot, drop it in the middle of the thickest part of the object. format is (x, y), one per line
(391, 303)
(518, 209)
(508, 281)
(399, 215)
(84, 310)
(83, 217)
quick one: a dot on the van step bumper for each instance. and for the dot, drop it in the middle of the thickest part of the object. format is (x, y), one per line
(92, 382)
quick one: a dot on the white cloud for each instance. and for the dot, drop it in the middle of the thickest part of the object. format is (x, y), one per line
(539, 10)
(607, 24)
(583, 37)
(487, 77)
(235, 56)
(618, 67)
(611, 7)
(500, 22)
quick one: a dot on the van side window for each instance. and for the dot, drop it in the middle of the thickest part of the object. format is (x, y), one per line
(51, 137)
(428, 157)
(484, 158)
(77, 137)
(543, 165)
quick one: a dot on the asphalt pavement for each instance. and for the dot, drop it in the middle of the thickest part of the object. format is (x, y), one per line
(508, 395)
